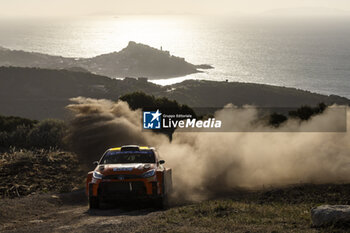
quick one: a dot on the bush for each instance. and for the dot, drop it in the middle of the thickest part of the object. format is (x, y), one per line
(17, 132)
(10, 123)
(19, 137)
(47, 134)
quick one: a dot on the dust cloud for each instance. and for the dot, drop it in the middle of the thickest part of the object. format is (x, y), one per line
(206, 163)
(101, 124)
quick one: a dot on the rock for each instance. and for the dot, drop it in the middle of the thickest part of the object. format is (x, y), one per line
(330, 214)
(54, 196)
(36, 221)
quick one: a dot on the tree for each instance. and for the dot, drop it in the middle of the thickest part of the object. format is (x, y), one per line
(277, 119)
(306, 112)
(140, 100)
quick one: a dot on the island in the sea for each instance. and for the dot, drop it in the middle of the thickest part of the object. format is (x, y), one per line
(137, 60)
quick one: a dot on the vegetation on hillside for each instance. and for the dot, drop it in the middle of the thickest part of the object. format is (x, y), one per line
(140, 100)
(17, 132)
(32, 157)
(25, 172)
(303, 113)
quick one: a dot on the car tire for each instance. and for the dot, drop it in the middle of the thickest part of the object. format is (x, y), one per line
(94, 203)
(162, 202)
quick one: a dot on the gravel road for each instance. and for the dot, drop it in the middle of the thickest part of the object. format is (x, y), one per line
(70, 213)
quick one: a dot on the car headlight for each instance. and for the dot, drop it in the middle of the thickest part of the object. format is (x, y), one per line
(97, 175)
(149, 173)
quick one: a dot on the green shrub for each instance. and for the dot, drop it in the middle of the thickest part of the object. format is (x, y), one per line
(47, 134)
(19, 137)
(17, 132)
(10, 123)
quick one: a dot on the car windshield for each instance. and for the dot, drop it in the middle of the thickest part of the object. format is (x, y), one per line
(113, 157)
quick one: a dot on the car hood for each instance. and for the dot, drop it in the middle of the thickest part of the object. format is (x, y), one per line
(125, 168)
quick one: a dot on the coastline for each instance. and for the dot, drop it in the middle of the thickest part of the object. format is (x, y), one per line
(44, 93)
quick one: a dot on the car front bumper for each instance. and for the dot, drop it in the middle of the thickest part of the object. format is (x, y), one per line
(124, 189)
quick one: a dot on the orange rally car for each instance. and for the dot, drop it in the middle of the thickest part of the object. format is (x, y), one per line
(129, 172)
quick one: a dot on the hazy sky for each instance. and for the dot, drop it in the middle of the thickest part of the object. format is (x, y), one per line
(15, 8)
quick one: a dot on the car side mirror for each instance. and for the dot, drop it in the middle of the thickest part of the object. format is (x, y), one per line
(95, 163)
(161, 161)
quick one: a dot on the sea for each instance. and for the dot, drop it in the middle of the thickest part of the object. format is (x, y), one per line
(306, 53)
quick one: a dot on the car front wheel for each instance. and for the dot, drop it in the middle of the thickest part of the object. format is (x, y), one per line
(162, 202)
(94, 203)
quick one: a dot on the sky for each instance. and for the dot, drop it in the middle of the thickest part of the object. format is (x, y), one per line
(20, 8)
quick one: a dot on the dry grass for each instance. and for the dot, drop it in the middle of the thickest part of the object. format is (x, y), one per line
(277, 210)
(25, 172)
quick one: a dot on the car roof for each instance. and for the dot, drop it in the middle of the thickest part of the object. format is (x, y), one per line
(125, 147)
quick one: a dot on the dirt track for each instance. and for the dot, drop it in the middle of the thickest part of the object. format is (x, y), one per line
(275, 210)
(69, 213)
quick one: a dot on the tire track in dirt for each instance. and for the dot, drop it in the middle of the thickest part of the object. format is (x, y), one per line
(66, 213)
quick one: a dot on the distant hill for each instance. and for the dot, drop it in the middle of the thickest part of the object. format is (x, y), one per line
(307, 11)
(134, 60)
(211, 93)
(42, 93)
(3, 49)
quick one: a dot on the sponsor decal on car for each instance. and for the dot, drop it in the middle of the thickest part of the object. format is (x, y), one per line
(122, 169)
